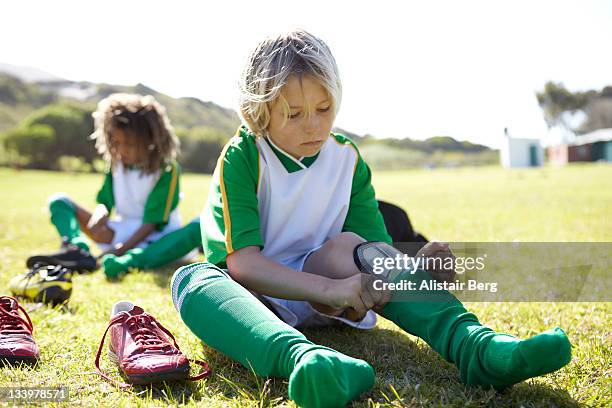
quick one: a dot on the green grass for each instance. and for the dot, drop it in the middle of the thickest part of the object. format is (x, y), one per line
(483, 204)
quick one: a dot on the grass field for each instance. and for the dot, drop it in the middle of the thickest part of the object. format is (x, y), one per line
(483, 204)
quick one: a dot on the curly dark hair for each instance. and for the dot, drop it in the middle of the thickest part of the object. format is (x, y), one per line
(141, 116)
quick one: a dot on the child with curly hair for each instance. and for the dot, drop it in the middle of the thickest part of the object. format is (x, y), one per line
(134, 136)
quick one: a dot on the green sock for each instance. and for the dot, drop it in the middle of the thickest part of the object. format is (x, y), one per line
(226, 316)
(63, 217)
(114, 265)
(482, 356)
(168, 248)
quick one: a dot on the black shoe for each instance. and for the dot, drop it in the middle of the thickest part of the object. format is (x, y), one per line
(70, 256)
(44, 283)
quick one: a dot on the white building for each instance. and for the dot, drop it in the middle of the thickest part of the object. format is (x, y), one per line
(520, 152)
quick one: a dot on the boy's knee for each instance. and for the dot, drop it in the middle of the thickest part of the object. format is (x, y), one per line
(345, 241)
(189, 278)
(60, 200)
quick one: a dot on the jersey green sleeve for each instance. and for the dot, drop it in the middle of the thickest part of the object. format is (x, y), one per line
(364, 217)
(230, 219)
(105, 195)
(164, 197)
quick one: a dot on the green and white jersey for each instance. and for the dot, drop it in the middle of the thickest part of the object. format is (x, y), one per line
(261, 195)
(146, 198)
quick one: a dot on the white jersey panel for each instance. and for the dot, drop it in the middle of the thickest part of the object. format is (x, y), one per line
(300, 211)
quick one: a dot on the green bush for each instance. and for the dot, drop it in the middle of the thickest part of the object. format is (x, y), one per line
(98, 166)
(11, 158)
(72, 126)
(48, 134)
(32, 144)
(73, 164)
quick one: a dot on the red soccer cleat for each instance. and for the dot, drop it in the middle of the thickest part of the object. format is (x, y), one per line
(16, 342)
(145, 351)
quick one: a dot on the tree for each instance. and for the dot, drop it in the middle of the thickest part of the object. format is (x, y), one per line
(559, 105)
(598, 115)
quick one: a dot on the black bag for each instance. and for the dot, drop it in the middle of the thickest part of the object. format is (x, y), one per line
(399, 227)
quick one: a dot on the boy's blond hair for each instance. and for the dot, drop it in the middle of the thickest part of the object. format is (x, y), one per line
(271, 64)
(142, 117)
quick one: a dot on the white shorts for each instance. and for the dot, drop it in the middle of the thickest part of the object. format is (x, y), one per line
(299, 313)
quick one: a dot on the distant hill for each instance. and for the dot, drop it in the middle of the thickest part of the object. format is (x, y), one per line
(18, 98)
(438, 143)
(27, 74)
(25, 90)
(186, 112)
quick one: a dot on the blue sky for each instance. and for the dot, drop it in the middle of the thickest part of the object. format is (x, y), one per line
(410, 69)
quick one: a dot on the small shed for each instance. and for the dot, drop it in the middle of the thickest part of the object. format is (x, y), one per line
(521, 152)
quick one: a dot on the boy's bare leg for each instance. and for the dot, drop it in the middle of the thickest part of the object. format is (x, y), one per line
(334, 260)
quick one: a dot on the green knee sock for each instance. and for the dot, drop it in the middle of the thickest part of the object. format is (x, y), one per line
(168, 248)
(227, 317)
(482, 356)
(63, 217)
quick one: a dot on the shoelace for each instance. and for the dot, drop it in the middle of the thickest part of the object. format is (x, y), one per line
(55, 271)
(146, 339)
(10, 320)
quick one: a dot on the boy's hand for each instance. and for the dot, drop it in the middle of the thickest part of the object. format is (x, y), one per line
(354, 296)
(442, 270)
